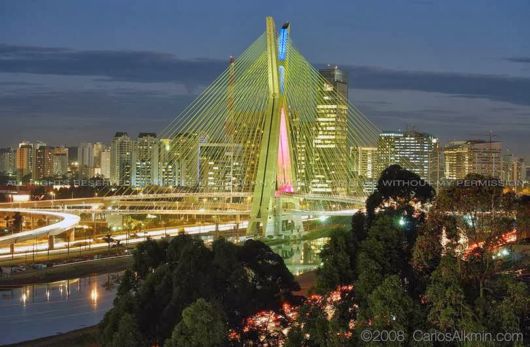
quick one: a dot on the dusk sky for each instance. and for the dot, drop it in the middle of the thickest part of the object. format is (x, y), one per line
(74, 71)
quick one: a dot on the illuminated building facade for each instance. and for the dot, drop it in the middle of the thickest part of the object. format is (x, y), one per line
(121, 159)
(145, 160)
(473, 156)
(330, 133)
(60, 161)
(220, 167)
(43, 167)
(412, 150)
(24, 159)
(8, 158)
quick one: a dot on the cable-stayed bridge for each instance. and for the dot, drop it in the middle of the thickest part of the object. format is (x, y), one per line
(269, 139)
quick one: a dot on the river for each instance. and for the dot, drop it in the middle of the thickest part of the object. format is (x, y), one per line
(41, 310)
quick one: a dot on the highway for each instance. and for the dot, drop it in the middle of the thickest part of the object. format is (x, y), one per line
(67, 222)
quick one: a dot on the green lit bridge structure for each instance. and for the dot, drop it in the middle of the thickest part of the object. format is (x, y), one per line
(269, 140)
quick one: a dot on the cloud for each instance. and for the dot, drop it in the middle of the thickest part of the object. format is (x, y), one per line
(514, 90)
(524, 60)
(150, 67)
(133, 66)
(84, 116)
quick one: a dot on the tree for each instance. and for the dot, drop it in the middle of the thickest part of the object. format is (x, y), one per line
(127, 334)
(380, 254)
(358, 227)
(203, 325)
(511, 314)
(169, 277)
(403, 185)
(128, 283)
(448, 308)
(148, 255)
(391, 308)
(427, 250)
(338, 258)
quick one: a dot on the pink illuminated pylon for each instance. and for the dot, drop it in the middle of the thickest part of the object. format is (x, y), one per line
(284, 179)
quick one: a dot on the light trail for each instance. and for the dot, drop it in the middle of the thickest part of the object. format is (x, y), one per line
(67, 222)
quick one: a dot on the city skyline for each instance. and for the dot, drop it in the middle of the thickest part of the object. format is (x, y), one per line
(87, 86)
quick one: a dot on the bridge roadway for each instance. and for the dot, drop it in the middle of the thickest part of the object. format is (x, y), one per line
(68, 209)
(158, 199)
(67, 221)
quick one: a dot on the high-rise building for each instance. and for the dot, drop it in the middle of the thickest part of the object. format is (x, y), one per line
(518, 170)
(8, 160)
(121, 159)
(473, 156)
(60, 161)
(366, 163)
(43, 158)
(412, 150)
(166, 173)
(330, 134)
(184, 158)
(507, 167)
(98, 148)
(24, 159)
(220, 167)
(145, 160)
(364, 166)
(105, 163)
(85, 159)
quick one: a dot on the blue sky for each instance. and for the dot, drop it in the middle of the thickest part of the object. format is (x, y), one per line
(456, 69)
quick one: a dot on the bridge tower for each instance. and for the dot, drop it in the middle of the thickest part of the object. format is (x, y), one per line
(275, 172)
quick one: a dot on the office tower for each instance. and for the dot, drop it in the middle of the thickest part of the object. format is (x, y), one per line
(330, 134)
(184, 158)
(518, 170)
(366, 163)
(507, 167)
(73, 164)
(85, 159)
(473, 156)
(145, 160)
(98, 148)
(178, 161)
(412, 150)
(105, 163)
(24, 160)
(60, 161)
(166, 173)
(364, 166)
(220, 167)
(8, 158)
(43, 158)
(121, 159)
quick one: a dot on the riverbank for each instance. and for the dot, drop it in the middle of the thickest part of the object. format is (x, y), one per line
(85, 337)
(67, 271)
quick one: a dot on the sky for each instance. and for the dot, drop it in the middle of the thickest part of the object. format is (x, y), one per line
(74, 71)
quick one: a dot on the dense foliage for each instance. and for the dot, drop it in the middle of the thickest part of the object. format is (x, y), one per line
(430, 268)
(175, 287)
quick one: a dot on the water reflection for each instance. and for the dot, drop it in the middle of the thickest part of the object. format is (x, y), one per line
(40, 310)
(301, 256)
